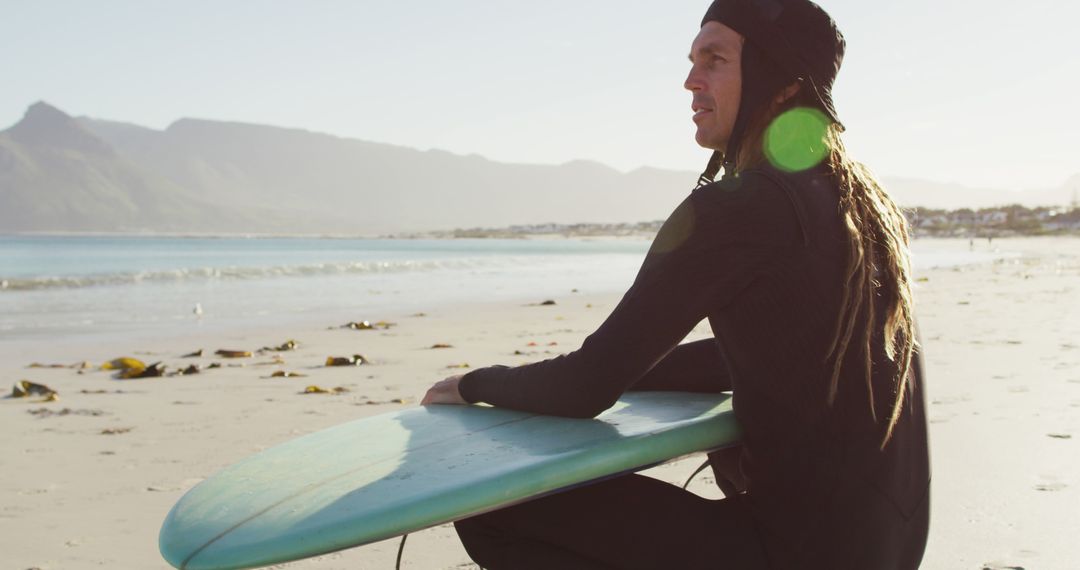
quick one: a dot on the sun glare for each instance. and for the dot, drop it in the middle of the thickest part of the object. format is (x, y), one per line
(796, 139)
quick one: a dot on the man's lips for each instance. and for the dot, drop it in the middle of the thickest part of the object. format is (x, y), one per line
(700, 112)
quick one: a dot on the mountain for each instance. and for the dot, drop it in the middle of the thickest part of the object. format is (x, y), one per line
(56, 175)
(62, 174)
(910, 192)
(381, 187)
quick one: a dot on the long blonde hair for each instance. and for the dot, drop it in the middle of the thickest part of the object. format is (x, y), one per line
(878, 262)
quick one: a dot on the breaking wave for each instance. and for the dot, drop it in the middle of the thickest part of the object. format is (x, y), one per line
(240, 273)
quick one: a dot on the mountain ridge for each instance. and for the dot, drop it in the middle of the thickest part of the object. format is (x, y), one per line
(59, 173)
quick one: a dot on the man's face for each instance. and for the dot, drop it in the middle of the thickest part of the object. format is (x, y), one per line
(715, 80)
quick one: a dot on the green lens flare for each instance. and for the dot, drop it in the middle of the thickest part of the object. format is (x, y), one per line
(796, 139)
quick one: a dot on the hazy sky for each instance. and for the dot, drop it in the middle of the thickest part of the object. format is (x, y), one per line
(978, 92)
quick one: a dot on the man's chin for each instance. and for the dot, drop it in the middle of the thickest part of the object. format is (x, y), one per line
(705, 141)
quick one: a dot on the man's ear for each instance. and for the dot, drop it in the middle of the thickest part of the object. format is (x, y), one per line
(788, 92)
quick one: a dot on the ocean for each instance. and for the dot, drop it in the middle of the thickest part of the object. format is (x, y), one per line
(69, 287)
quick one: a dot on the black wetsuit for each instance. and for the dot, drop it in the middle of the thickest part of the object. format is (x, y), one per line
(763, 257)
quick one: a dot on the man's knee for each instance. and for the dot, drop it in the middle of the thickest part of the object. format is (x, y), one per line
(478, 537)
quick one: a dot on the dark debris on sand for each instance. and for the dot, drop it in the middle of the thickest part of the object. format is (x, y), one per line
(283, 347)
(228, 353)
(287, 374)
(367, 325)
(46, 412)
(26, 388)
(313, 389)
(354, 360)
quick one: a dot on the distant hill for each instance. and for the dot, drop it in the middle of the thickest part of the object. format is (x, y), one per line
(62, 174)
(364, 187)
(914, 192)
(58, 173)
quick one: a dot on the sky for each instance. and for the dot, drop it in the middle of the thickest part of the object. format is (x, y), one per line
(982, 93)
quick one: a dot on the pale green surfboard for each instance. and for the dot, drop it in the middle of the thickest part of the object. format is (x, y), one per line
(388, 475)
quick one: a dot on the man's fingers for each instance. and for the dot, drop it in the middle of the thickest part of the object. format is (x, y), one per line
(443, 392)
(431, 397)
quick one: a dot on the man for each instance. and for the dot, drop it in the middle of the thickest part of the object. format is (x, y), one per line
(799, 260)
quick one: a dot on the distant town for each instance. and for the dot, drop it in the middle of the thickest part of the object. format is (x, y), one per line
(1002, 221)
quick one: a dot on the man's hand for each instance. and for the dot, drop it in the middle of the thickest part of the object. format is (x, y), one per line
(444, 392)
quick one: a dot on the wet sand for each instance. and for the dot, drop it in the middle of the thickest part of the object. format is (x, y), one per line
(89, 487)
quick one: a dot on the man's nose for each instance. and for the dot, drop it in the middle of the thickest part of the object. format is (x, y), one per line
(693, 81)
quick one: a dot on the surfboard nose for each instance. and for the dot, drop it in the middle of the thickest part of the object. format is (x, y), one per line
(171, 541)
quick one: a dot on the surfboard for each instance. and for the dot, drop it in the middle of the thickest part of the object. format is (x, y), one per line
(384, 476)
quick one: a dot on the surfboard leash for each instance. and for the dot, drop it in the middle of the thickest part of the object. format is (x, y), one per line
(694, 474)
(400, 549)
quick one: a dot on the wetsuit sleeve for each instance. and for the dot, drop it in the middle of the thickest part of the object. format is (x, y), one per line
(691, 367)
(710, 248)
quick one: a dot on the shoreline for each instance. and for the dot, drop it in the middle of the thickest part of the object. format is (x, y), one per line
(467, 234)
(185, 280)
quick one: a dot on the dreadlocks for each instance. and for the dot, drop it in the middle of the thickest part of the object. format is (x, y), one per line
(878, 271)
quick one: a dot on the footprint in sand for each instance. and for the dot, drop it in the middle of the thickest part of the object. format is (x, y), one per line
(947, 400)
(1050, 487)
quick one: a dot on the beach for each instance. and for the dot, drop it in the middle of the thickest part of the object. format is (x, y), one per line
(89, 477)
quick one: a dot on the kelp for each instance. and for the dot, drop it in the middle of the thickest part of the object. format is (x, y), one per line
(354, 360)
(123, 363)
(368, 325)
(283, 347)
(226, 353)
(191, 369)
(26, 388)
(313, 389)
(381, 402)
(358, 325)
(154, 370)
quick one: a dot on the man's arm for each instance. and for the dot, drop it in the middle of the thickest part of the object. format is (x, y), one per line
(718, 241)
(691, 367)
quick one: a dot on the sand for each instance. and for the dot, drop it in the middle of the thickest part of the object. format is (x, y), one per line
(90, 487)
